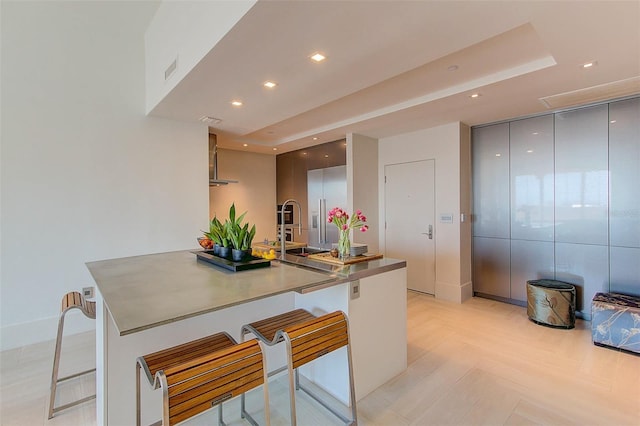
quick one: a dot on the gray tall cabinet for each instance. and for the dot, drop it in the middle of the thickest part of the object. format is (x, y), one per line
(558, 196)
(624, 198)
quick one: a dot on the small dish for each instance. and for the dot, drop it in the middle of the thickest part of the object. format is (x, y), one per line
(205, 243)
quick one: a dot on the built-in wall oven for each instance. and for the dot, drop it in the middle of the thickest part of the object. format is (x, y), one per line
(288, 220)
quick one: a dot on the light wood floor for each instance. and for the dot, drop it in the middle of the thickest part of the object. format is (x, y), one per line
(478, 363)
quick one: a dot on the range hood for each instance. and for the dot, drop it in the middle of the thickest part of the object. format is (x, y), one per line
(213, 163)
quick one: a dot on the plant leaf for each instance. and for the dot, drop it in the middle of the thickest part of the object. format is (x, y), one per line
(239, 221)
(232, 213)
(249, 237)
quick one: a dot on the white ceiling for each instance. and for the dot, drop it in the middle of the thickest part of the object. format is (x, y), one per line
(387, 64)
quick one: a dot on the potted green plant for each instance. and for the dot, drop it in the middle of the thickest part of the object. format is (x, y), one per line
(214, 235)
(222, 232)
(239, 234)
(243, 243)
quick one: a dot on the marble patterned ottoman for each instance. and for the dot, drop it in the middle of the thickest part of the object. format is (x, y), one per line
(615, 321)
(552, 303)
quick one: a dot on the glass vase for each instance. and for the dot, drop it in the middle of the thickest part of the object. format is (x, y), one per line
(344, 245)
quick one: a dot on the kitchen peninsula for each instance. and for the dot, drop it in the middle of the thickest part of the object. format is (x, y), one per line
(151, 302)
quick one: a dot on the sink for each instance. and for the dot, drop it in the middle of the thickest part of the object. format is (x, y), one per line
(305, 251)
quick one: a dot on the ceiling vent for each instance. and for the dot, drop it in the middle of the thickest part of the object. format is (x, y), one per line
(615, 89)
(210, 120)
(170, 69)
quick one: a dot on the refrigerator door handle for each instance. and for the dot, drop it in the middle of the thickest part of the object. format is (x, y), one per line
(324, 220)
(320, 221)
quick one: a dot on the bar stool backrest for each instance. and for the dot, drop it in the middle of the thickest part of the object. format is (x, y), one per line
(317, 337)
(166, 358)
(195, 386)
(74, 299)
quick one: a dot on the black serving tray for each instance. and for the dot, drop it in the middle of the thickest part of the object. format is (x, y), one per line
(248, 262)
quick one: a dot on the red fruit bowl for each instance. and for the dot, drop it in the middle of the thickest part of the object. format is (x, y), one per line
(205, 243)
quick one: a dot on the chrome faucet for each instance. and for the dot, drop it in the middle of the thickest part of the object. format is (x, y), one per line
(282, 225)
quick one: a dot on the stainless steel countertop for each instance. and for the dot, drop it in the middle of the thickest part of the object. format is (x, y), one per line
(142, 292)
(343, 273)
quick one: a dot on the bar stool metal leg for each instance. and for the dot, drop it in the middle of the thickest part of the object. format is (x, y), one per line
(269, 332)
(311, 340)
(71, 300)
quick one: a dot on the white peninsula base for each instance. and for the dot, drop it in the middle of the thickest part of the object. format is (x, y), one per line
(377, 320)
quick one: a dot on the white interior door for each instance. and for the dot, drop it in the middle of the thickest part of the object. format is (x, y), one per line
(410, 224)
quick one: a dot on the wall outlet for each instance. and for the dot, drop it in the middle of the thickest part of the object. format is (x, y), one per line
(87, 292)
(354, 289)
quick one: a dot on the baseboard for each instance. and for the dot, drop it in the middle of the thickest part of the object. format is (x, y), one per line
(454, 292)
(584, 315)
(466, 292)
(501, 299)
(18, 335)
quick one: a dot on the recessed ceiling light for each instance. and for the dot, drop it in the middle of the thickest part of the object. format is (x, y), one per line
(534, 133)
(529, 151)
(326, 156)
(498, 155)
(315, 139)
(612, 121)
(275, 149)
(318, 57)
(304, 153)
(269, 84)
(245, 144)
(236, 103)
(475, 95)
(452, 68)
(590, 64)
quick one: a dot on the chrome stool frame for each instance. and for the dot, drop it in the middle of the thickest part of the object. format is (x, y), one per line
(307, 337)
(71, 300)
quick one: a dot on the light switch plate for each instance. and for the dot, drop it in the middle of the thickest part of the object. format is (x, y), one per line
(354, 289)
(446, 218)
(87, 292)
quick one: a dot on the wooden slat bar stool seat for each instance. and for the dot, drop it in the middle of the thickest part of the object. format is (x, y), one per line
(267, 329)
(71, 300)
(198, 375)
(307, 338)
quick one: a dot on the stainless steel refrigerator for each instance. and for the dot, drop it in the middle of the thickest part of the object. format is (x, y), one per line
(326, 189)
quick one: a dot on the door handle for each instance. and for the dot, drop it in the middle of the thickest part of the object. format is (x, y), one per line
(430, 233)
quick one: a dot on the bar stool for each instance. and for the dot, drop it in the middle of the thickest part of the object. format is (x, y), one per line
(71, 300)
(201, 374)
(307, 338)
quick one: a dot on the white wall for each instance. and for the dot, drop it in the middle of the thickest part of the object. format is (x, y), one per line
(254, 193)
(443, 144)
(85, 174)
(362, 186)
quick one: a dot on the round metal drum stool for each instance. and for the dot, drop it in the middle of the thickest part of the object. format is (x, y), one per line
(552, 303)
